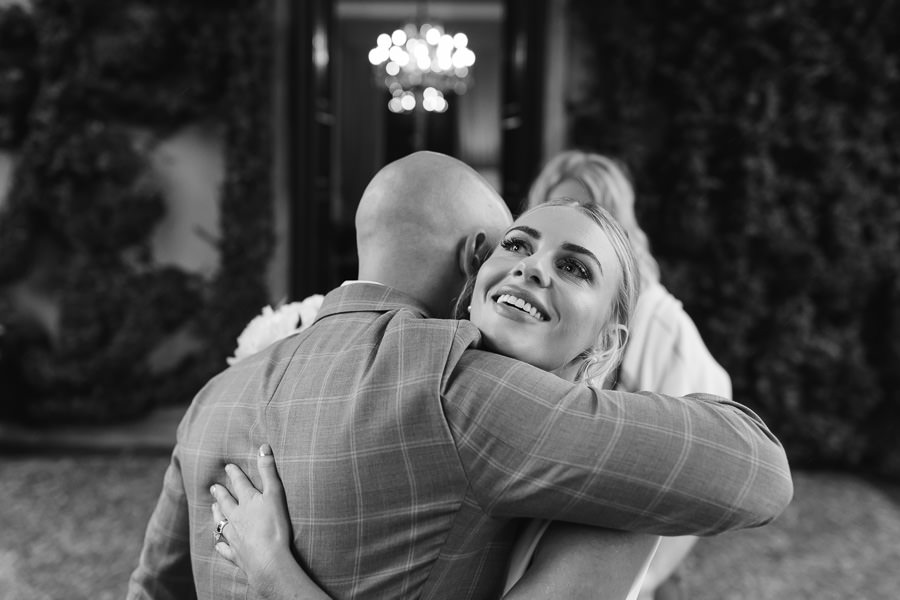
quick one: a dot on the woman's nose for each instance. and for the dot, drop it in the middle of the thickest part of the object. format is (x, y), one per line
(530, 268)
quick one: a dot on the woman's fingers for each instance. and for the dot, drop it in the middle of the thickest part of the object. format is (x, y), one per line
(225, 500)
(239, 484)
(218, 515)
(266, 464)
(226, 552)
(222, 546)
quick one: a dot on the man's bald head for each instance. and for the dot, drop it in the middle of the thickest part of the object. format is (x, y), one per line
(418, 221)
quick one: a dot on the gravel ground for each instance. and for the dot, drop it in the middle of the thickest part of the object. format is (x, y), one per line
(71, 528)
(838, 540)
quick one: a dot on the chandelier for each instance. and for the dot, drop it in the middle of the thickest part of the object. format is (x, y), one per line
(419, 65)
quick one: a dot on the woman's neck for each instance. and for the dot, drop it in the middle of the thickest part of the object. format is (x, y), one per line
(568, 371)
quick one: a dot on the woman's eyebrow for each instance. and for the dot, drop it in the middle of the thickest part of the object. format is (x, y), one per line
(584, 251)
(525, 228)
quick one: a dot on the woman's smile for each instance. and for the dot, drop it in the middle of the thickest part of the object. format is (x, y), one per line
(547, 289)
(513, 302)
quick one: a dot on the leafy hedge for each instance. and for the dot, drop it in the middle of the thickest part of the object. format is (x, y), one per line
(115, 78)
(765, 144)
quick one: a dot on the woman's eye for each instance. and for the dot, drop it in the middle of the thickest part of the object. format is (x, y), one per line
(575, 268)
(514, 245)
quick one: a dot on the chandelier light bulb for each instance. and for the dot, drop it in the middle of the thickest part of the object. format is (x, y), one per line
(408, 101)
(433, 36)
(397, 55)
(398, 37)
(419, 65)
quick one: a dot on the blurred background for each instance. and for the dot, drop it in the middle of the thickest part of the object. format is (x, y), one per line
(169, 167)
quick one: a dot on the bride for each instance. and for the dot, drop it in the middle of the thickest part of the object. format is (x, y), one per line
(562, 257)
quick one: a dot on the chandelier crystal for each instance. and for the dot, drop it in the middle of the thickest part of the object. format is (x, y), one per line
(419, 65)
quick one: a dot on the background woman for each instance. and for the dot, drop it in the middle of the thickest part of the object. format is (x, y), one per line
(665, 352)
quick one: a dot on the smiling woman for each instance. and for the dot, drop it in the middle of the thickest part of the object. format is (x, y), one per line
(558, 291)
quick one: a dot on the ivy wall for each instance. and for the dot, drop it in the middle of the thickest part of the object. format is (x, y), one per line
(90, 88)
(764, 139)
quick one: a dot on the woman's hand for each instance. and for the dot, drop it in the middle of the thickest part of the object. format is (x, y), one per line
(257, 536)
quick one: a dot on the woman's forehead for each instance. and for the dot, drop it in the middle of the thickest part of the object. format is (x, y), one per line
(565, 224)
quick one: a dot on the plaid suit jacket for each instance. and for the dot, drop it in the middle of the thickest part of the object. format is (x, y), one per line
(408, 455)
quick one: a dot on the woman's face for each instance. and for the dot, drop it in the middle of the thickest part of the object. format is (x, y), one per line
(570, 188)
(547, 290)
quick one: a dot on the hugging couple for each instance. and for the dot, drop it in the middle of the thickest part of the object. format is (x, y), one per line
(443, 431)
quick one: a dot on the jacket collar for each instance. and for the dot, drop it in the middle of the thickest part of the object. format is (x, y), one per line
(368, 297)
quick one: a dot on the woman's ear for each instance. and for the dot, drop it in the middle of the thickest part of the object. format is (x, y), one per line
(613, 339)
(621, 332)
(602, 360)
(471, 253)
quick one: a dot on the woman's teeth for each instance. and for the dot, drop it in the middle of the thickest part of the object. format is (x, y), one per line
(521, 305)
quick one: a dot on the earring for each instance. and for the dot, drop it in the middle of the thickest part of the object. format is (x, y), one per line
(469, 308)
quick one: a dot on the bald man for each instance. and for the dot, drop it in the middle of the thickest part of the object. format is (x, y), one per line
(407, 453)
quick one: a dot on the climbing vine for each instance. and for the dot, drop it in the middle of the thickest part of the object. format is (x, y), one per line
(96, 83)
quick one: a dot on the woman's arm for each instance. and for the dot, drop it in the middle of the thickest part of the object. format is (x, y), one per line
(579, 561)
(570, 561)
(257, 536)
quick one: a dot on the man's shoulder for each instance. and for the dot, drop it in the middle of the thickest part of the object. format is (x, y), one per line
(459, 327)
(440, 340)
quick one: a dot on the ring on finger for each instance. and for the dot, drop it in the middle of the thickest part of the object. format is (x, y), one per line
(218, 534)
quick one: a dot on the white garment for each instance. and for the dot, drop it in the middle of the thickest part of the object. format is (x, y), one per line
(665, 354)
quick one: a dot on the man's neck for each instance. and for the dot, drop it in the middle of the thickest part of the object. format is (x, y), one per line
(349, 281)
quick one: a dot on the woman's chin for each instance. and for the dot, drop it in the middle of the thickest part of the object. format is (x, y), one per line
(521, 350)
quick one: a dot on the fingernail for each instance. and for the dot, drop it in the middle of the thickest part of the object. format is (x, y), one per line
(265, 450)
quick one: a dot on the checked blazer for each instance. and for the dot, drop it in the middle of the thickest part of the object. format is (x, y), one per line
(408, 455)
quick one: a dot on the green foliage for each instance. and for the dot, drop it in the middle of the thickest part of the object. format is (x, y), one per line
(765, 147)
(115, 77)
(18, 73)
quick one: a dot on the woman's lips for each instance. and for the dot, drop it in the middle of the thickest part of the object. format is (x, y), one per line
(523, 303)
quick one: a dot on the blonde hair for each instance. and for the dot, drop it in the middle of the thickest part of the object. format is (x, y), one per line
(607, 186)
(601, 360)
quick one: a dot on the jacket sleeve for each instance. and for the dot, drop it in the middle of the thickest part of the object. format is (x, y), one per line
(534, 445)
(164, 568)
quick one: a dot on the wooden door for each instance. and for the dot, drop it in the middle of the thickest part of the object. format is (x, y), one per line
(523, 89)
(309, 111)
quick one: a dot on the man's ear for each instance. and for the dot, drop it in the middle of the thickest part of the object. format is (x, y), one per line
(471, 252)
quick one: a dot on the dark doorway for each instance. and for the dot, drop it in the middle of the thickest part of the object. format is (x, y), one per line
(406, 133)
(340, 131)
(309, 123)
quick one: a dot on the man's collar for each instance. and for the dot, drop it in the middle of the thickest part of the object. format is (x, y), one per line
(364, 296)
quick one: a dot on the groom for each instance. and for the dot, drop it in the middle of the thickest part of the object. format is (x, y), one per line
(407, 453)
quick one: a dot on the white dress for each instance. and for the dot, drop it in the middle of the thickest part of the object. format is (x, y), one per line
(526, 544)
(665, 354)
